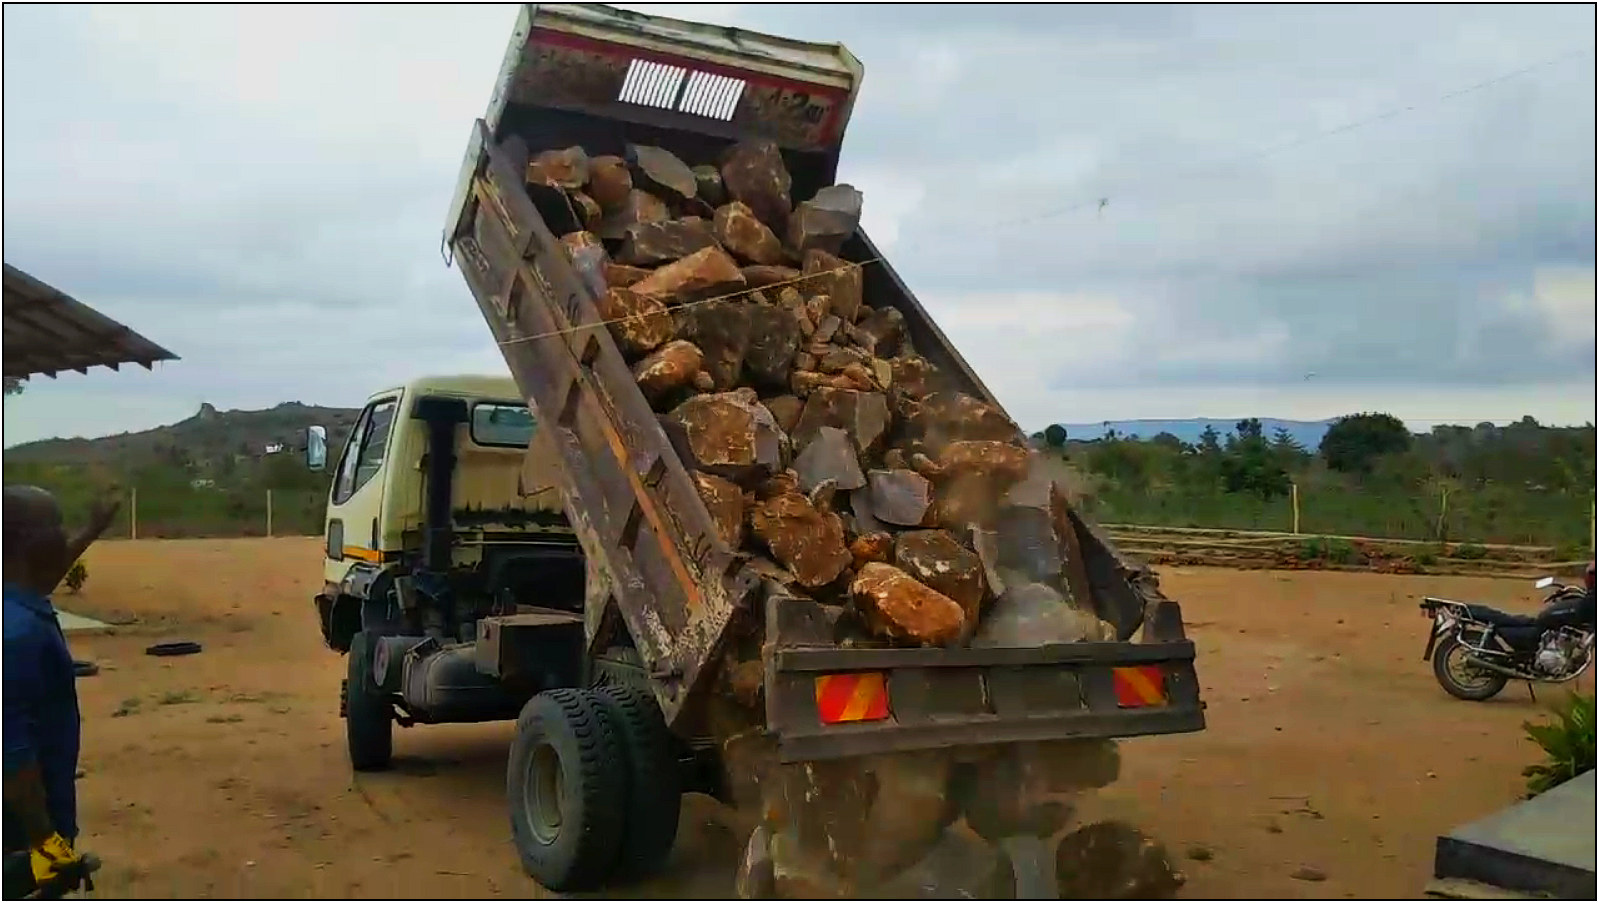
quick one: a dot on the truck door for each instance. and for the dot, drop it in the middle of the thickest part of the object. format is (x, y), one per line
(356, 499)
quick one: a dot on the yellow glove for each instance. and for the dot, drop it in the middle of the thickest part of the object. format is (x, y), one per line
(51, 858)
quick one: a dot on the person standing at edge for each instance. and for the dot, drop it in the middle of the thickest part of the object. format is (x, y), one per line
(41, 698)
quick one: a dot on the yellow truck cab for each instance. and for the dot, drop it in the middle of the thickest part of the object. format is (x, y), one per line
(442, 516)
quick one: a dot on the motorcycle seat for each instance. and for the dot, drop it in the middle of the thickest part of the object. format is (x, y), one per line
(1490, 615)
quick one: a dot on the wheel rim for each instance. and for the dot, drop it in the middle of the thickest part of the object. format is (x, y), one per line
(543, 799)
(1466, 675)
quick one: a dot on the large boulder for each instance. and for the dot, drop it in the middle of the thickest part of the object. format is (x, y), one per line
(729, 434)
(896, 606)
(740, 232)
(754, 174)
(703, 274)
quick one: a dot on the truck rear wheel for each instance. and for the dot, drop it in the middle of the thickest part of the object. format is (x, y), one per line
(654, 786)
(368, 714)
(566, 783)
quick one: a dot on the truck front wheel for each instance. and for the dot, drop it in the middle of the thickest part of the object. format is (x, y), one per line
(566, 785)
(368, 714)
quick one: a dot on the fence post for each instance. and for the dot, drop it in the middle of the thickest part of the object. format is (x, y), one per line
(269, 512)
(133, 513)
(1293, 495)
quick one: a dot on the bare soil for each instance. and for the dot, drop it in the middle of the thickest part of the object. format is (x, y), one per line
(223, 774)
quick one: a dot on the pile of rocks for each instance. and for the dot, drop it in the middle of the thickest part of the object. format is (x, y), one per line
(858, 477)
(818, 436)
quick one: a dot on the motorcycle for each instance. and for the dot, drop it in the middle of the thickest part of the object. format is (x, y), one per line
(1476, 650)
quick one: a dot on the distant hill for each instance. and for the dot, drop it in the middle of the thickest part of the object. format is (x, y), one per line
(1307, 432)
(209, 436)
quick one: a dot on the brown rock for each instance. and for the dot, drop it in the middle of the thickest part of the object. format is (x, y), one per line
(588, 258)
(774, 337)
(1114, 861)
(810, 543)
(908, 813)
(725, 501)
(804, 382)
(588, 209)
(937, 560)
(747, 681)
(837, 360)
(914, 375)
(880, 331)
(660, 171)
(825, 221)
(567, 168)
(747, 237)
(836, 278)
(637, 323)
(710, 188)
(638, 207)
(829, 456)
(729, 435)
(648, 244)
(753, 173)
(1000, 464)
(610, 182)
(763, 276)
(897, 606)
(963, 501)
(702, 274)
(863, 415)
(899, 497)
(785, 410)
(619, 275)
(670, 367)
(703, 382)
(722, 330)
(945, 417)
(826, 327)
(869, 547)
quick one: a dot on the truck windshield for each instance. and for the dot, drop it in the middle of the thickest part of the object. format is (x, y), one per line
(504, 425)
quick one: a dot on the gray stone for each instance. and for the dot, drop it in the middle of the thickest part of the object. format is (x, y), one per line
(899, 497)
(825, 221)
(829, 456)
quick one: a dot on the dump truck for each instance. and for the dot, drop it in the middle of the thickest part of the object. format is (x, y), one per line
(600, 629)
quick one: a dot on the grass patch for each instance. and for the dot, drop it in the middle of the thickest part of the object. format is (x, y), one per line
(1470, 551)
(127, 707)
(177, 697)
(224, 719)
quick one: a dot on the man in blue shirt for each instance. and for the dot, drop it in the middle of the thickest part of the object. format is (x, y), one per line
(41, 700)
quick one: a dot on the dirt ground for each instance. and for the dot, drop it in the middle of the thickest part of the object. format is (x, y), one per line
(223, 774)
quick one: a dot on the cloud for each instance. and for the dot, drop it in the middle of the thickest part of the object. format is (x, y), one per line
(262, 190)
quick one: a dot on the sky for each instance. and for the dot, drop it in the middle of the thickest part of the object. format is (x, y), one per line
(1114, 212)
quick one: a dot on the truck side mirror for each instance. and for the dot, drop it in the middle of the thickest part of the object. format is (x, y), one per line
(316, 448)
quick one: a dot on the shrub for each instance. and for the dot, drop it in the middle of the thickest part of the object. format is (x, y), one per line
(1470, 552)
(76, 576)
(1340, 551)
(1567, 742)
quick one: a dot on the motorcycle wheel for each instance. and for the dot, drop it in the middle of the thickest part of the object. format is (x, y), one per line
(1461, 679)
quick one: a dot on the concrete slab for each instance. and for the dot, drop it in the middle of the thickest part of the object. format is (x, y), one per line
(71, 623)
(1542, 845)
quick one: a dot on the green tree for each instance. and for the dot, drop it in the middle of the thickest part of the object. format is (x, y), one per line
(1055, 435)
(1355, 442)
(15, 385)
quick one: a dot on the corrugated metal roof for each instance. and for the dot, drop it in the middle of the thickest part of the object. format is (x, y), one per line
(47, 331)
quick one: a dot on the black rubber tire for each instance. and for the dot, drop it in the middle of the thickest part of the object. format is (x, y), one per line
(182, 647)
(1440, 669)
(569, 736)
(654, 781)
(368, 714)
(82, 668)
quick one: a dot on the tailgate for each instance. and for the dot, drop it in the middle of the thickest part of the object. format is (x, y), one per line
(833, 703)
(825, 702)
